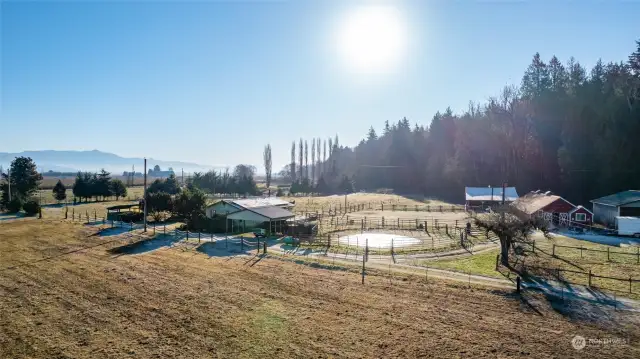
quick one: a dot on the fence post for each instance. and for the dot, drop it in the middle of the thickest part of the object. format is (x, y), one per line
(629, 283)
(580, 252)
(518, 284)
(398, 225)
(164, 230)
(534, 246)
(154, 229)
(446, 228)
(264, 250)
(199, 236)
(608, 258)
(440, 208)
(589, 278)
(241, 243)
(553, 250)
(638, 255)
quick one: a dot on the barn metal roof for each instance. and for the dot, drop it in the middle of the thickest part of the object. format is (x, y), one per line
(619, 199)
(486, 194)
(261, 202)
(269, 212)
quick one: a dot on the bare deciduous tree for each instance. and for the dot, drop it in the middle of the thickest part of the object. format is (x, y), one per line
(306, 160)
(293, 161)
(313, 161)
(267, 164)
(300, 157)
(510, 228)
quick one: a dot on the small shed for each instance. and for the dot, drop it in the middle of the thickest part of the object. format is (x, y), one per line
(621, 204)
(581, 215)
(251, 217)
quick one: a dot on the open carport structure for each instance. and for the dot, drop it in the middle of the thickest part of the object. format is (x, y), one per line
(251, 217)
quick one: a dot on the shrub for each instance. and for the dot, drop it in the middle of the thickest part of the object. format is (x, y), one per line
(131, 216)
(15, 205)
(31, 207)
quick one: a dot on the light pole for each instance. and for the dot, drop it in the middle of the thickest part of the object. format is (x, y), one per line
(144, 195)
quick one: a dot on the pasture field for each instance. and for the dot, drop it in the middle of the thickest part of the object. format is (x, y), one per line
(65, 293)
(312, 204)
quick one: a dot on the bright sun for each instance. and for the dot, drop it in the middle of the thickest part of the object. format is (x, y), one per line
(372, 39)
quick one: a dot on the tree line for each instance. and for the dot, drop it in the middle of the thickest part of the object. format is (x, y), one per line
(564, 128)
(97, 185)
(240, 181)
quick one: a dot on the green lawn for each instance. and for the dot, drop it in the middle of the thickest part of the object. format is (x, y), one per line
(483, 263)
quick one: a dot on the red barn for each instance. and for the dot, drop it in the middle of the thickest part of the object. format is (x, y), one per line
(581, 215)
(552, 208)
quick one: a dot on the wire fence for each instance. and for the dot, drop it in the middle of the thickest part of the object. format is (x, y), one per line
(578, 277)
(340, 209)
(631, 256)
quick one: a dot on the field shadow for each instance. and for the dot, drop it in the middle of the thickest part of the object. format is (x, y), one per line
(115, 231)
(9, 216)
(147, 245)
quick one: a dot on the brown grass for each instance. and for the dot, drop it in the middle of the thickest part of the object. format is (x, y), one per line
(57, 301)
(311, 203)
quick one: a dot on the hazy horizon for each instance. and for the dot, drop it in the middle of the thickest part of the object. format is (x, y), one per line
(214, 82)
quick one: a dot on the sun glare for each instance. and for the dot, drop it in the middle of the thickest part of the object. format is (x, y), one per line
(372, 39)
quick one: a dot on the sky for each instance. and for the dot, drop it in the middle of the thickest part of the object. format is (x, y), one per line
(212, 82)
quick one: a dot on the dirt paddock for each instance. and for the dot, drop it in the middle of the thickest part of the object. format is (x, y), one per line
(65, 294)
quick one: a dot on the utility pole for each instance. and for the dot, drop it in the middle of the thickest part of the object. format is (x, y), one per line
(504, 188)
(9, 178)
(145, 195)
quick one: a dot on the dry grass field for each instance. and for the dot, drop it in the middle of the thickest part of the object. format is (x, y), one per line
(64, 295)
(325, 202)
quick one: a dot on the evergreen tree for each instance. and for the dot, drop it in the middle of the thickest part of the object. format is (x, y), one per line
(59, 191)
(24, 178)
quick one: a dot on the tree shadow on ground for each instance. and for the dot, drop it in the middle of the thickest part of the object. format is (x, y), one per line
(10, 216)
(147, 245)
(226, 248)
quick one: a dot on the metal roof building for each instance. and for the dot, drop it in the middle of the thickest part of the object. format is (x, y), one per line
(489, 194)
(607, 208)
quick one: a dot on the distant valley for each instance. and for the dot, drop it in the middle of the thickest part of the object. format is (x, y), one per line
(72, 161)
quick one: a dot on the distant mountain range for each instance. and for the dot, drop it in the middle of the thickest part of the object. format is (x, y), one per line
(72, 161)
